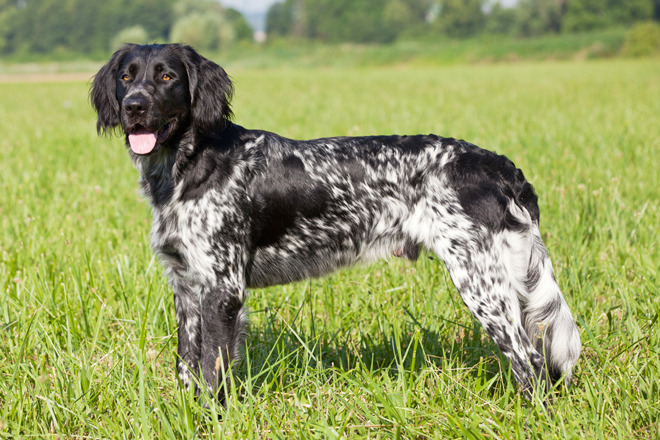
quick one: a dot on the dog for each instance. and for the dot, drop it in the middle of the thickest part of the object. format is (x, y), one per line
(235, 209)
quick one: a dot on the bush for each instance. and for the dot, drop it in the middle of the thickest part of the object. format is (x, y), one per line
(207, 31)
(134, 34)
(643, 39)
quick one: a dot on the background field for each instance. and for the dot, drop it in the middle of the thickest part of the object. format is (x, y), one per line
(88, 331)
(432, 52)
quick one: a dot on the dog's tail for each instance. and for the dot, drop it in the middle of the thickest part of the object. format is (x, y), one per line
(546, 317)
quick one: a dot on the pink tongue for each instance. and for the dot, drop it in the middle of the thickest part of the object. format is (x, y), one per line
(142, 141)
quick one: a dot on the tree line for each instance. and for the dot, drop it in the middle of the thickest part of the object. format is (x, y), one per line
(97, 26)
(383, 21)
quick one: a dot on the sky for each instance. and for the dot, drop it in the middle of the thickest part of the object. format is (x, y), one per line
(263, 5)
(249, 5)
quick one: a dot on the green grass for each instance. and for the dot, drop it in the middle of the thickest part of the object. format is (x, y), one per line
(88, 336)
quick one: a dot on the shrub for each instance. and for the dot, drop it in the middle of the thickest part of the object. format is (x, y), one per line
(133, 34)
(207, 31)
(643, 39)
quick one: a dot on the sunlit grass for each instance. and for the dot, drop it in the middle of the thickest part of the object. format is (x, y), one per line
(88, 329)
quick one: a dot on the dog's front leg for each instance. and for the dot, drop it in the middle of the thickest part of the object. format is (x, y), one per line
(223, 325)
(189, 320)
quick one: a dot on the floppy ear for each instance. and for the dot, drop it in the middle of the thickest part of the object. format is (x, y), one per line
(104, 92)
(211, 91)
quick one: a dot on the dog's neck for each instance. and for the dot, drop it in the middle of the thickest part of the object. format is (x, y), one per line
(159, 172)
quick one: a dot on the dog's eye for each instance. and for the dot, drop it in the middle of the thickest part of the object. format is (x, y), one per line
(166, 77)
(125, 77)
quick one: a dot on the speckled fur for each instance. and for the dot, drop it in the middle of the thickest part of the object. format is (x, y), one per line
(236, 209)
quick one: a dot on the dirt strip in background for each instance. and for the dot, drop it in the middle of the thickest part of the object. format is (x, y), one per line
(46, 77)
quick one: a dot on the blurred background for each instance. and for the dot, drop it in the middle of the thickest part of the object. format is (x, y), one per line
(371, 31)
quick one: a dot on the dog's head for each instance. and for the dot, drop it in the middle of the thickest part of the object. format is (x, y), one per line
(158, 92)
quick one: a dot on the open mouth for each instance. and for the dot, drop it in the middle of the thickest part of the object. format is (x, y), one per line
(144, 140)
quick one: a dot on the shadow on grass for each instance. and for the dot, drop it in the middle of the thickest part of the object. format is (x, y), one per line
(276, 349)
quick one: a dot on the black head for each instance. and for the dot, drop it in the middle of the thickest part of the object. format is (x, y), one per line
(156, 93)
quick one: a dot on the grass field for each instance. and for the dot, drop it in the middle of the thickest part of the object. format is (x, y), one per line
(88, 337)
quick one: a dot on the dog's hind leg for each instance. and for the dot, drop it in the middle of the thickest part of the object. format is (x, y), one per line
(546, 316)
(505, 278)
(479, 273)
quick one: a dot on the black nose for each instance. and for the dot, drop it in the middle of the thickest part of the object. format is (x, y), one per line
(135, 106)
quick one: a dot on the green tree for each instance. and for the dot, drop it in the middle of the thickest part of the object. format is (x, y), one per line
(538, 17)
(279, 19)
(585, 15)
(461, 18)
(108, 17)
(242, 29)
(630, 11)
(133, 34)
(7, 11)
(199, 30)
(501, 20)
(207, 25)
(406, 14)
(47, 19)
(398, 15)
(85, 26)
(360, 21)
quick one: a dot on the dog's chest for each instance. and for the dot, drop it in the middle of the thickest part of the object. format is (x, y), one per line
(183, 230)
(198, 235)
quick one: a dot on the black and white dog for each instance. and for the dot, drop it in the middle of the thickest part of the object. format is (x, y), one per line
(236, 208)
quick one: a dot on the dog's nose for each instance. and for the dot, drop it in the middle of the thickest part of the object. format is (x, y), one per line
(135, 106)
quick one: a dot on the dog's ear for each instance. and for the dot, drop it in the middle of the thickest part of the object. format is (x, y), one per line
(104, 92)
(211, 91)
